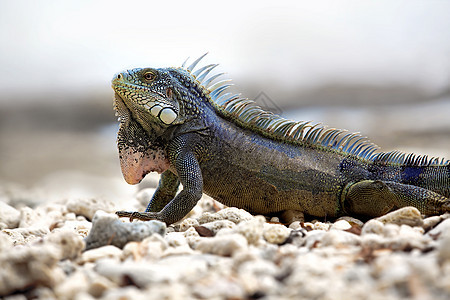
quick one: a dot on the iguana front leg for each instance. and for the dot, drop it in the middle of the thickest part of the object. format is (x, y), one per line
(375, 198)
(167, 188)
(182, 157)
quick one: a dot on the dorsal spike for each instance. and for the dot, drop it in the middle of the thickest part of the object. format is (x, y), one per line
(196, 73)
(185, 62)
(217, 84)
(220, 99)
(192, 66)
(219, 90)
(340, 142)
(203, 76)
(210, 79)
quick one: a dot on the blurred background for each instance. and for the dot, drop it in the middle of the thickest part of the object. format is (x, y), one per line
(378, 67)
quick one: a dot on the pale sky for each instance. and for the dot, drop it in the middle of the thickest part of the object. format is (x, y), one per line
(78, 45)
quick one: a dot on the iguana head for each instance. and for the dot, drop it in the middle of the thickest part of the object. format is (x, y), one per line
(147, 106)
(150, 104)
(149, 96)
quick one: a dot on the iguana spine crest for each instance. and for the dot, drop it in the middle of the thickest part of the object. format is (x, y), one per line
(247, 114)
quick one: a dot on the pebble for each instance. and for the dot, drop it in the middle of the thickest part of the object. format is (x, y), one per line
(88, 207)
(30, 266)
(54, 251)
(223, 245)
(444, 247)
(100, 253)
(216, 226)
(407, 215)
(275, 233)
(107, 229)
(341, 225)
(232, 214)
(9, 216)
(442, 227)
(251, 229)
(185, 224)
(339, 238)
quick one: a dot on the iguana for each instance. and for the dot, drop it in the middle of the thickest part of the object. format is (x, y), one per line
(176, 122)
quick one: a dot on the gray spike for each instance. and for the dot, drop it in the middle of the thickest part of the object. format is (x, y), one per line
(355, 143)
(196, 73)
(219, 100)
(185, 62)
(341, 141)
(217, 84)
(210, 79)
(202, 76)
(192, 66)
(219, 90)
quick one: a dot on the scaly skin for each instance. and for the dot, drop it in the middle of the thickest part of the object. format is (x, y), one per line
(171, 123)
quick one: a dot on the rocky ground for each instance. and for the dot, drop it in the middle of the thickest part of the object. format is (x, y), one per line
(76, 248)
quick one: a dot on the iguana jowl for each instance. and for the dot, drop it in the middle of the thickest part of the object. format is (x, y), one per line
(215, 142)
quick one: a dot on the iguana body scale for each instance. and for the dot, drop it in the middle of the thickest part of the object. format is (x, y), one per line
(225, 146)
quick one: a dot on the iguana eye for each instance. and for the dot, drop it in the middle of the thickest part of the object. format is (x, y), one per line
(149, 76)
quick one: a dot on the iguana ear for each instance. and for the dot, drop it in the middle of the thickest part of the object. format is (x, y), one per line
(166, 111)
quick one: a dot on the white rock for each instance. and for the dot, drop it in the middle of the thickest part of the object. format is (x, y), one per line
(430, 222)
(46, 215)
(252, 229)
(341, 225)
(224, 245)
(128, 293)
(153, 246)
(373, 241)
(391, 230)
(442, 227)
(207, 217)
(22, 236)
(275, 233)
(232, 214)
(296, 225)
(176, 239)
(338, 238)
(313, 238)
(192, 237)
(187, 223)
(351, 220)
(5, 242)
(444, 246)
(321, 226)
(407, 215)
(82, 228)
(100, 253)
(169, 269)
(107, 229)
(88, 207)
(373, 226)
(29, 266)
(258, 276)
(69, 243)
(9, 215)
(216, 226)
(76, 284)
